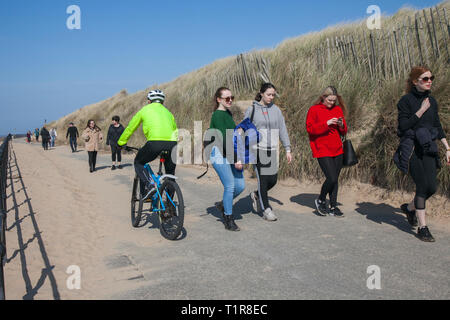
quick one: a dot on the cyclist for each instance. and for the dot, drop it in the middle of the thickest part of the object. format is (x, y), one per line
(161, 132)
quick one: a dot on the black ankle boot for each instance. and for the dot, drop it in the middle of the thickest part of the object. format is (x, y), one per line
(229, 223)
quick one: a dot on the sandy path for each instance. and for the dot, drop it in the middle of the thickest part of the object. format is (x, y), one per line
(67, 216)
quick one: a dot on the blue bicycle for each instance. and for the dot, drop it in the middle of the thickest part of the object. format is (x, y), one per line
(167, 201)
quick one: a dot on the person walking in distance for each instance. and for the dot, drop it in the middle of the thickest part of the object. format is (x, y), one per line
(36, 134)
(114, 133)
(53, 136)
(45, 135)
(326, 124)
(418, 119)
(92, 136)
(269, 121)
(72, 134)
(29, 136)
(230, 173)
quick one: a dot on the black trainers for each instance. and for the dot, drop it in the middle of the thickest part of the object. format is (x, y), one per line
(336, 212)
(120, 167)
(410, 215)
(321, 207)
(229, 223)
(113, 168)
(425, 235)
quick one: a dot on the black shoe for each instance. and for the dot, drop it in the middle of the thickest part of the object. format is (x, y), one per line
(336, 212)
(410, 215)
(120, 166)
(113, 168)
(321, 207)
(425, 235)
(229, 223)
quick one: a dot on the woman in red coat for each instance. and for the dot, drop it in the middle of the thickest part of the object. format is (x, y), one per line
(326, 124)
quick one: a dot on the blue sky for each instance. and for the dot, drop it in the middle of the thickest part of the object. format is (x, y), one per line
(48, 71)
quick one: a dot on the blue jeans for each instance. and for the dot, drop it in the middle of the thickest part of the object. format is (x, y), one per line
(73, 144)
(232, 179)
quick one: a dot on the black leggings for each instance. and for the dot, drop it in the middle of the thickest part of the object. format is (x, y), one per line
(92, 159)
(116, 152)
(150, 152)
(331, 167)
(267, 174)
(423, 170)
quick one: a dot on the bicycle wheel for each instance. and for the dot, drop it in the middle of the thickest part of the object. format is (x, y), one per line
(172, 218)
(136, 203)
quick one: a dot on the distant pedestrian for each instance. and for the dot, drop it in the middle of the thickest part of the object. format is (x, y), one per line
(326, 124)
(114, 133)
(72, 134)
(92, 136)
(36, 134)
(269, 121)
(53, 135)
(29, 136)
(45, 135)
(419, 127)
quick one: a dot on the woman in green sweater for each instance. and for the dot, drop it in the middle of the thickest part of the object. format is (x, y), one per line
(229, 172)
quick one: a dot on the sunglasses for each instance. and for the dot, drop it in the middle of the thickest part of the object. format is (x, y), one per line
(426, 79)
(228, 99)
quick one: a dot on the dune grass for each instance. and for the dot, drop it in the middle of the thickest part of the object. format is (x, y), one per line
(371, 102)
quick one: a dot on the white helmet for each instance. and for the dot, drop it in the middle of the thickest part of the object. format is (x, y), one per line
(155, 95)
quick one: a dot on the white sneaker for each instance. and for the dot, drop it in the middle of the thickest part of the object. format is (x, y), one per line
(269, 215)
(255, 203)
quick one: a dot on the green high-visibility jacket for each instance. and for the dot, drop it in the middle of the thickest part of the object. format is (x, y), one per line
(158, 124)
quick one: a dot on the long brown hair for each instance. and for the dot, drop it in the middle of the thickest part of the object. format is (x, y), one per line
(95, 127)
(218, 95)
(415, 73)
(332, 91)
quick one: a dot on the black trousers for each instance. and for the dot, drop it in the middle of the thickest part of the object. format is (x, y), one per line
(45, 143)
(331, 167)
(149, 152)
(423, 170)
(267, 174)
(92, 159)
(116, 152)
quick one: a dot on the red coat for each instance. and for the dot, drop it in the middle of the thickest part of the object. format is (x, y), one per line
(325, 140)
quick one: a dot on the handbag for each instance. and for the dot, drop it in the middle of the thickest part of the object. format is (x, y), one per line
(350, 157)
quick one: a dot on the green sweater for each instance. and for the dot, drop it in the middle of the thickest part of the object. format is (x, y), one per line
(222, 120)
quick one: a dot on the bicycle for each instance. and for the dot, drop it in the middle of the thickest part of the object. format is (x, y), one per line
(167, 201)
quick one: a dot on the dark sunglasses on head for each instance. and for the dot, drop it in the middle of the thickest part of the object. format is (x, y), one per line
(229, 99)
(426, 79)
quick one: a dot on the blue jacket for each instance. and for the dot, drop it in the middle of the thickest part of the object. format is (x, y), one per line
(246, 138)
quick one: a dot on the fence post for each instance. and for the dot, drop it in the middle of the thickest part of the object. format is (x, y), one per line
(444, 38)
(418, 40)
(429, 33)
(368, 55)
(438, 50)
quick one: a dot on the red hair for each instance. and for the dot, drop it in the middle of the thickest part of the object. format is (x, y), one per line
(416, 72)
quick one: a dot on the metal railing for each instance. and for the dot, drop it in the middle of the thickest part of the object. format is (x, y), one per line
(4, 160)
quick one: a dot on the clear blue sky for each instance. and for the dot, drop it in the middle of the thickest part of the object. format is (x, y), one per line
(48, 71)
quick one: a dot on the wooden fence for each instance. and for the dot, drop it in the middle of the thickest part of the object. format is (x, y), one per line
(421, 40)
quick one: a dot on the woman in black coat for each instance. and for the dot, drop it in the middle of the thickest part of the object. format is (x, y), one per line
(418, 117)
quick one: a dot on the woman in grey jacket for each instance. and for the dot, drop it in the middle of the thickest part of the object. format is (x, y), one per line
(269, 121)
